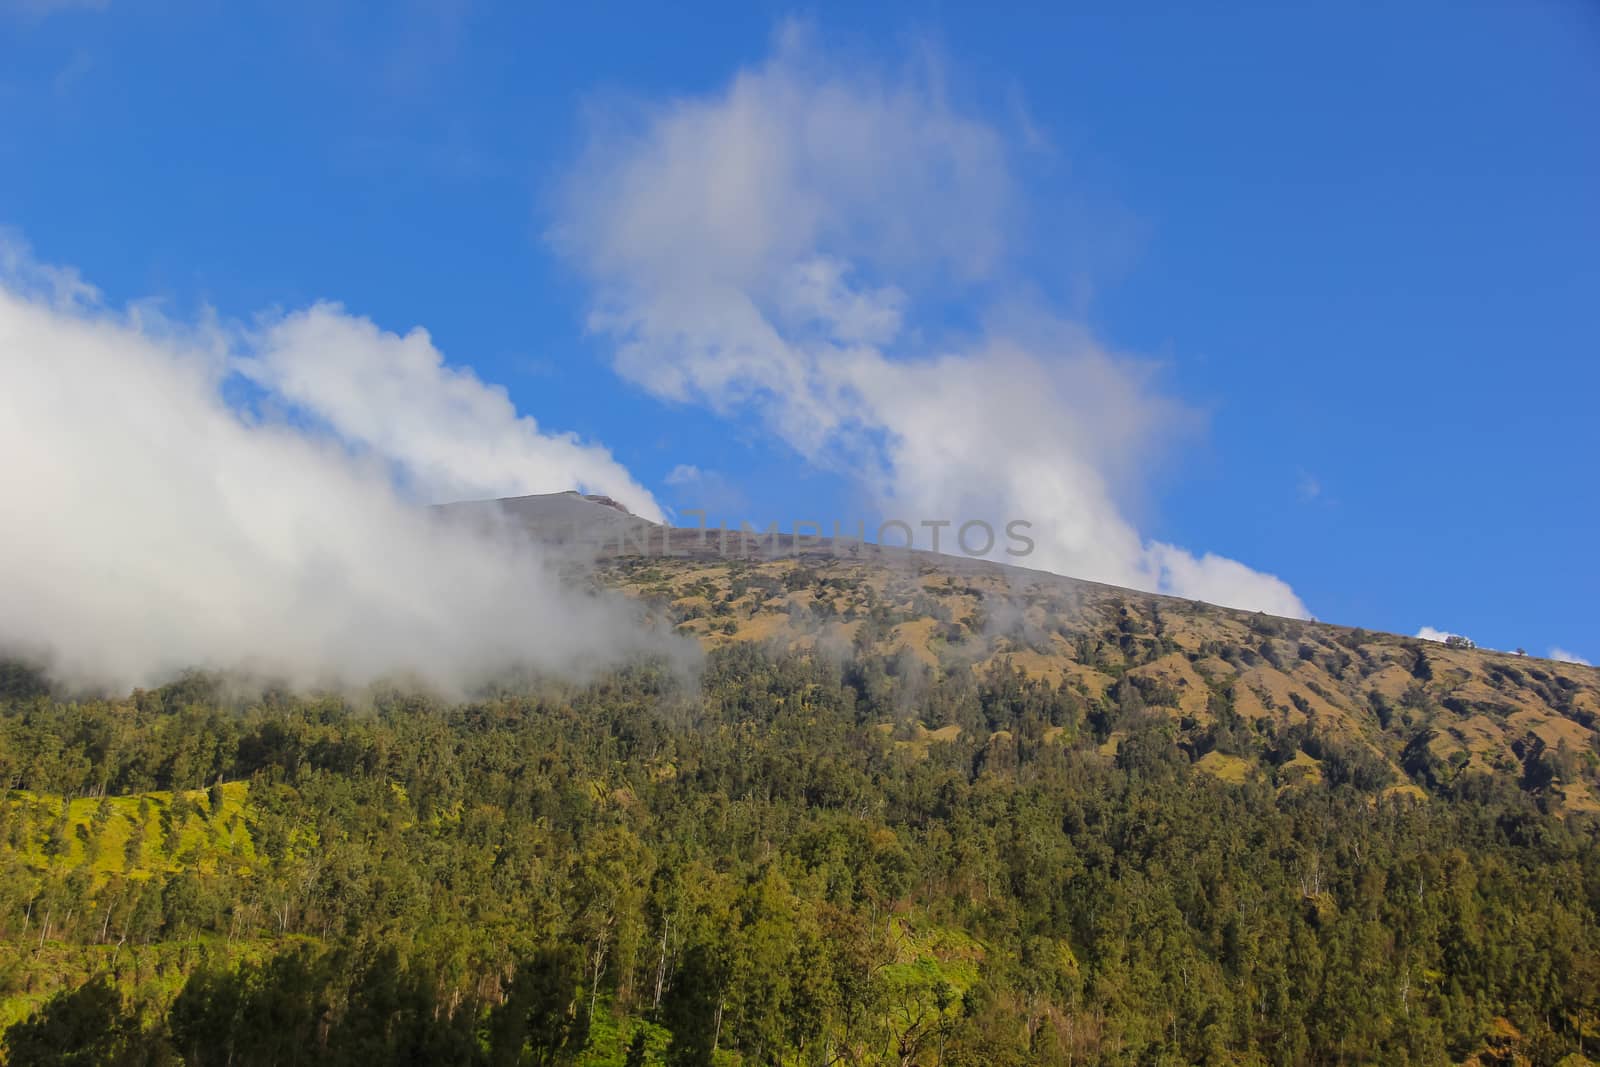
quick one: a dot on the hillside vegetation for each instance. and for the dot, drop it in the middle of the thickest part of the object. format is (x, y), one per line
(1415, 714)
(919, 814)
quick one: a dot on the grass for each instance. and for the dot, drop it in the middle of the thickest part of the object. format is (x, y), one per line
(200, 837)
(1235, 769)
(1072, 631)
(137, 837)
(922, 737)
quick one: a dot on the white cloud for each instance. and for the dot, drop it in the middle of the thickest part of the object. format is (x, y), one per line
(1563, 656)
(756, 250)
(709, 492)
(1428, 633)
(452, 435)
(150, 526)
(683, 474)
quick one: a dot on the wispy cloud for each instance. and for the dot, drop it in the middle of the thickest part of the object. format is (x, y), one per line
(1562, 655)
(72, 72)
(709, 491)
(1307, 486)
(684, 474)
(777, 247)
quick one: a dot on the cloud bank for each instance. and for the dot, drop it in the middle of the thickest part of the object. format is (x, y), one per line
(153, 526)
(760, 249)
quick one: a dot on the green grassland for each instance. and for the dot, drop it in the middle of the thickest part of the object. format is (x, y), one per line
(139, 836)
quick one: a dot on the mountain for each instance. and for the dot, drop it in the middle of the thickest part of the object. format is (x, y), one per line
(1246, 694)
(907, 809)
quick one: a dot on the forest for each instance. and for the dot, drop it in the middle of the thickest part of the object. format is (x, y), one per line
(791, 858)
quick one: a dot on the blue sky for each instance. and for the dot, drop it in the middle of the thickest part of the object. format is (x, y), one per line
(1340, 265)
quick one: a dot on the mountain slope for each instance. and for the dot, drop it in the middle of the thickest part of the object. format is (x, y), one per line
(1246, 694)
(910, 810)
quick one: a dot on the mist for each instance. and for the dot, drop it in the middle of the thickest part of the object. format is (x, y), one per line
(165, 507)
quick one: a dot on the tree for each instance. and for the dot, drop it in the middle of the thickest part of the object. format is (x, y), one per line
(85, 1027)
(543, 1019)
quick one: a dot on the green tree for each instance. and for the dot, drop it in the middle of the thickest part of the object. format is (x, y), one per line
(84, 1027)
